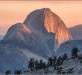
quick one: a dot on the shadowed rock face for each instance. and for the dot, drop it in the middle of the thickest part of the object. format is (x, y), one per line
(45, 19)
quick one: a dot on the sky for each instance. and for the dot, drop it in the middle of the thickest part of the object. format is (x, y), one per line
(12, 12)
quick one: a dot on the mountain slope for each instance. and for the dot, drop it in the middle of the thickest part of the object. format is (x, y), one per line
(11, 59)
(68, 46)
(1, 37)
(20, 35)
(76, 32)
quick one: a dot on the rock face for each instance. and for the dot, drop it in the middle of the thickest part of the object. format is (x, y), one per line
(54, 24)
(76, 32)
(45, 19)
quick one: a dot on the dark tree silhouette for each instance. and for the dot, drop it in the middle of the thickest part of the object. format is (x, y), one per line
(65, 56)
(18, 72)
(59, 61)
(54, 60)
(50, 61)
(41, 64)
(75, 52)
(44, 66)
(8, 72)
(31, 64)
(36, 65)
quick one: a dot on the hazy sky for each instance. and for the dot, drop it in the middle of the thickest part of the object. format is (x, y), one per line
(12, 12)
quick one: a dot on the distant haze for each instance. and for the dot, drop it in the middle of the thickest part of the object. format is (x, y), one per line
(12, 12)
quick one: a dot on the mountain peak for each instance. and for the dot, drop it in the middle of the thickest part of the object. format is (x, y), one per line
(40, 24)
(47, 9)
(46, 20)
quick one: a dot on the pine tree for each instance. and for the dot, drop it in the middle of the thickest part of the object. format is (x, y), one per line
(36, 65)
(65, 56)
(41, 64)
(44, 65)
(54, 61)
(8, 72)
(18, 72)
(31, 64)
(74, 52)
(59, 61)
(50, 61)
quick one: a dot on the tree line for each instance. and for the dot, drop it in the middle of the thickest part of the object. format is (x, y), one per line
(52, 62)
